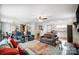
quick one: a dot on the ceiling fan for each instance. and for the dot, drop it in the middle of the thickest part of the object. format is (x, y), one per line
(42, 18)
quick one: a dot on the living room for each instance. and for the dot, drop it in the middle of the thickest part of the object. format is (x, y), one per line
(39, 29)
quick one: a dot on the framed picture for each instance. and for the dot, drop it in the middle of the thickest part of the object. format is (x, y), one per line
(40, 27)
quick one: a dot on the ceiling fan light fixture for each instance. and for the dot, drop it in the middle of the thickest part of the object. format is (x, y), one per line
(42, 18)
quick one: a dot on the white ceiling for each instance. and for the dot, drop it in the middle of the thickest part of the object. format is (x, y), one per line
(29, 12)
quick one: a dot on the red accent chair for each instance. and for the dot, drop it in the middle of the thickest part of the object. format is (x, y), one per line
(15, 44)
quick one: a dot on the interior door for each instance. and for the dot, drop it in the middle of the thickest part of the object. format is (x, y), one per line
(69, 33)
